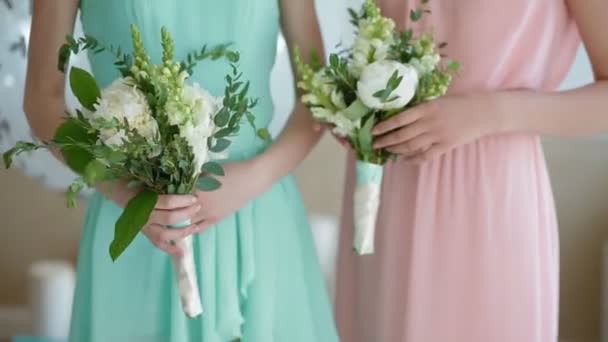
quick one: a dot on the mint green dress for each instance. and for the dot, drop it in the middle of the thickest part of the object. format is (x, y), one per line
(259, 276)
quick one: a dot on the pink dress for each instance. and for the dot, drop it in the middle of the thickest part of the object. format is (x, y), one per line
(467, 244)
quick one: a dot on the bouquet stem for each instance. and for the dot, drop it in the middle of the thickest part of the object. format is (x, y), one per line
(185, 273)
(366, 205)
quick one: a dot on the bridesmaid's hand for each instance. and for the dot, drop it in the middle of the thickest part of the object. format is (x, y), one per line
(243, 181)
(170, 209)
(433, 128)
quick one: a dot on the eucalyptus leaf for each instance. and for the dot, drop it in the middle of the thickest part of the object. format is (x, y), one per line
(208, 184)
(213, 168)
(453, 66)
(220, 145)
(221, 118)
(224, 132)
(84, 87)
(132, 220)
(415, 15)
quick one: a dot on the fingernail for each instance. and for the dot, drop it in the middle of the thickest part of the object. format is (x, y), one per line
(193, 199)
(198, 208)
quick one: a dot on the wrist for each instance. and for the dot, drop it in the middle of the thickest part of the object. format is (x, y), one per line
(503, 118)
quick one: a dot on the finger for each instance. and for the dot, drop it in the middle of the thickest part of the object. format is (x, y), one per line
(428, 155)
(419, 143)
(170, 248)
(172, 217)
(154, 234)
(169, 202)
(318, 127)
(172, 234)
(400, 136)
(402, 119)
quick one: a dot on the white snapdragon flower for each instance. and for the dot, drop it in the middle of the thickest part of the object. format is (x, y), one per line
(367, 51)
(337, 98)
(426, 64)
(124, 102)
(342, 126)
(375, 78)
(198, 126)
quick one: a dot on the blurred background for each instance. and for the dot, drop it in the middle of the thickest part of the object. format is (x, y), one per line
(36, 227)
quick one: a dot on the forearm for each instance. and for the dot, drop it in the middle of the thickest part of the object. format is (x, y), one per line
(578, 112)
(291, 147)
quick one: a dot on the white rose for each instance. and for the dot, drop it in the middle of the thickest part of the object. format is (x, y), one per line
(197, 138)
(375, 77)
(112, 137)
(123, 101)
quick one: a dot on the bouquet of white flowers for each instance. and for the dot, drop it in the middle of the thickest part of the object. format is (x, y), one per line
(151, 127)
(384, 73)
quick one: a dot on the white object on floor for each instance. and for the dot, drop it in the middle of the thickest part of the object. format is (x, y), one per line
(51, 285)
(325, 233)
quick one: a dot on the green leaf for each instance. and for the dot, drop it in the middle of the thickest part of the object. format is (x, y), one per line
(71, 131)
(356, 110)
(453, 66)
(171, 189)
(20, 147)
(224, 132)
(221, 118)
(365, 135)
(132, 220)
(213, 168)
(315, 61)
(84, 87)
(64, 57)
(73, 190)
(208, 184)
(220, 145)
(415, 15)
(264, 134)
(334, 60)
(95, 172)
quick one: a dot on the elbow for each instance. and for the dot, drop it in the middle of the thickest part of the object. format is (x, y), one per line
(32, 111)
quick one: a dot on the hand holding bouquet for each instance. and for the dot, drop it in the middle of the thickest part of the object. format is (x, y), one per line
(384, 73)
(152, 128)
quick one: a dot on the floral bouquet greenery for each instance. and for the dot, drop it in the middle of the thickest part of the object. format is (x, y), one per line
(151, 127)
(384, 73)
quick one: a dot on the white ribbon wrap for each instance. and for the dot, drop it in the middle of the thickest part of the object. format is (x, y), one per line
(366, 204)
(185, 272)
